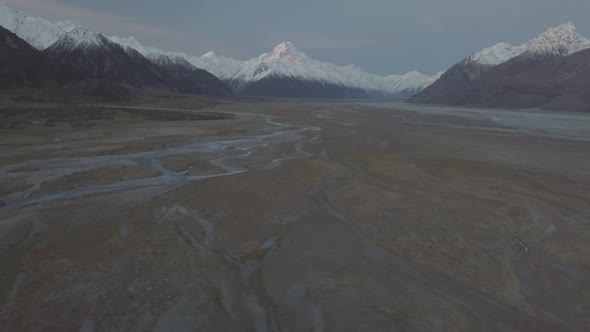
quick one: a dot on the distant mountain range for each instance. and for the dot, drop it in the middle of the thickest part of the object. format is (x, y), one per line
(550, 71)
(65, 53)
(287, 72)
(96, 56)
(283, 72)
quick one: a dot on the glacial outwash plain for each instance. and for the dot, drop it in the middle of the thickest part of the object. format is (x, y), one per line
(193, 213)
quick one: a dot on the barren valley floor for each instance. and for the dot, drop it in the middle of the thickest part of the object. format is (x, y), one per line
(294, 216)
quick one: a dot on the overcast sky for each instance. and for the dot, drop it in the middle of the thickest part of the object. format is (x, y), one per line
(381, 36)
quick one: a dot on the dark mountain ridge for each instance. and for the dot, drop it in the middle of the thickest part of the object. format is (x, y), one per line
(21, 65)
(552, 82)
(549, 71)
(185, 78)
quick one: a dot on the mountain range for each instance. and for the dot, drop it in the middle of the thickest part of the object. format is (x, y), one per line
(72, 51)
(283, 72)
(31, 75)
(36, 31)
(24, 66)
(550, 71)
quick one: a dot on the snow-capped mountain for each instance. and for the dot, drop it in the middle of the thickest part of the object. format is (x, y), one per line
(286, 61)
(187, 78)
(63, 39)
(81, 38)
(134, 44)
(559, 41)
(555, 82)
(431, 80)
(91, 55)
(20, 63)
(38, 32)
(68, 26)
(222, 67)
(411, 82)
(495, 55)
(94, 55)
(169, 60)
(23, 66)
(562, 40)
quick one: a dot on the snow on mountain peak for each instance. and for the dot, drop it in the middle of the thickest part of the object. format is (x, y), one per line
(285, 61)
(285, 51)
(496, 54)
(79, 38)
(562, 30)
(221, 67)
(415, 74)
(169, 60)
(284, 47)
(38, 32)
(86, 37)
(68, 26)
(410, 81)
(127, 41)
(209, 55)
(560, 40)
(136, 45)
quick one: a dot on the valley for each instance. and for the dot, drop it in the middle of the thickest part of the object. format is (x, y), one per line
(290, 215)
(147, 188)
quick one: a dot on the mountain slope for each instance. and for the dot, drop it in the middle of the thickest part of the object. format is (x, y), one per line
(94, 55)
(562, 40)
(292, 87)
(183, 77)
(38, 32)
(21, 65)
(27, 73)
(68, 26)
(559, 82)
(221, 67)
